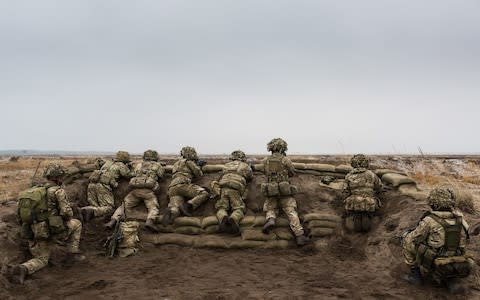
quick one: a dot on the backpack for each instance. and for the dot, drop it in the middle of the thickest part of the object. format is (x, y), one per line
(33, 205)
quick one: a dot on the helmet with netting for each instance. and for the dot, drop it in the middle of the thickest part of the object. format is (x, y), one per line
(54, 170)
(360, 161)
(188, 152)
(150, 155)
(238, 155)
(277, 145)
(122, 156)
(442, 199)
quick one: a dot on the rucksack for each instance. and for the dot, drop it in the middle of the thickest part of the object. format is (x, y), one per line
(33, 205)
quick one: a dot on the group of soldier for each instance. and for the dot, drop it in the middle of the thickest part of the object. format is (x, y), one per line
(434, 249)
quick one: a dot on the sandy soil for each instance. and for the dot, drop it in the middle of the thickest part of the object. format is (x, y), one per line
(350, 266)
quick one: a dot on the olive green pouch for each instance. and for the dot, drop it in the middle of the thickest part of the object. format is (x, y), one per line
(56, 224)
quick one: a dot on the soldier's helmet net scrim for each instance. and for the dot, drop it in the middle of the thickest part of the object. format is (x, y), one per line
(150, 155)
(238, 155)
(441, 199)
(189, 153)
(360, 161)
(122, 156)
(54, 170)
(277, 145)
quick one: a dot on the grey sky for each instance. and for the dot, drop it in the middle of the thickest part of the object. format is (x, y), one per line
(328, 76)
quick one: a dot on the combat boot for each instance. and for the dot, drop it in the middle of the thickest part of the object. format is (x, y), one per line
(301, 240)
(111, 224)
(268, 225)
(414, 277)
(88, 213)
(17, 274)
(223, 226)
(167, 218)
(187, 209)
(150, 225)
(235, 228)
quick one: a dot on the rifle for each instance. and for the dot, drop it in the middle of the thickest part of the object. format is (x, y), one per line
(114, 240)
(200, 162)
(35, 173)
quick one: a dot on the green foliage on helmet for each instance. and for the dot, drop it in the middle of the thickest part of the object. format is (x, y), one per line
(442, 199)
(277, 145)
(54, 170)
(122, 156)
(188, 152)
(238, 155)
(150, 155)
(360, 161)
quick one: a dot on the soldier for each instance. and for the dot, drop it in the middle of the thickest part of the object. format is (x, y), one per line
(143, 187)
(46, 218)
(436, 247)
(361, 188)
(233, 190)
(185, 196)
(279, 191)
(102, 183)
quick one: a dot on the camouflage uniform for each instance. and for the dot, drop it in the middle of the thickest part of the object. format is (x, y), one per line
(181, 187)
(278, 169)
(144, 185)
(58, 205)
(430, 240)
(100, 189)
(233, 190)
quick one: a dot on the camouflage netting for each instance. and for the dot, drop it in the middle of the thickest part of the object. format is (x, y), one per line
(319, 206)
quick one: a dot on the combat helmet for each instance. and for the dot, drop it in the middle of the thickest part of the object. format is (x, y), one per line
(122, 156)
(442, 199)
(238, 155)
(54, 170)
(150, 155)
(188, 152)
(360, 161)
(277, 145)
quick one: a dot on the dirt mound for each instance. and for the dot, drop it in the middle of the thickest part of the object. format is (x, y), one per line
(352, 266)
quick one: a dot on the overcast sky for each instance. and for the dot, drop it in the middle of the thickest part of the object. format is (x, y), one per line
(327, 76)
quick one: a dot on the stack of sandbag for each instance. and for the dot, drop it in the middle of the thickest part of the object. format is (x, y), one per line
(322, 224)
(206, 168)
(128, 245)
(400, 180)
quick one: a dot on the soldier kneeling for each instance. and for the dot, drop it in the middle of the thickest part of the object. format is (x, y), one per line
(361, 188)
(435, 249)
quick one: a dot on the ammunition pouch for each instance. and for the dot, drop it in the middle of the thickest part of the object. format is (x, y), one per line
(56, 224)
(452, 267)
(274, 189)
(143, 182)
(232, 181)
(425, 257)
(95, 176)
(40, 230)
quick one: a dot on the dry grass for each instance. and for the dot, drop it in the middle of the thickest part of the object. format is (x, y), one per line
(471, 179)
(428, 179)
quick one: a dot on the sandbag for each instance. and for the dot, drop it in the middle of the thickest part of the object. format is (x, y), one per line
(318, 173)
(396, 179)
(281, 222)
(257, 235)
(381, 172)
(212, 168)
(299, 166)
(172, 238)
(343, 169)
(321, 232)
(212, 229)
(279, 244)
(252, 221)
(321, 216)
(165, 229)
(210, 242)
(191, 230)
(322, 224)
(321, 167)
(209, 221)
(283, 234)
(243, 244)
(187, 221)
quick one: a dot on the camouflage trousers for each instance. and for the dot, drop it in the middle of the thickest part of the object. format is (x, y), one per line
(40, 250)
(193, 194)
(100, 199)
(230, 199)
(288, 204)
(135, 198)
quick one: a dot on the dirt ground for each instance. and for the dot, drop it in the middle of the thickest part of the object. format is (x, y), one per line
(349, 266)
